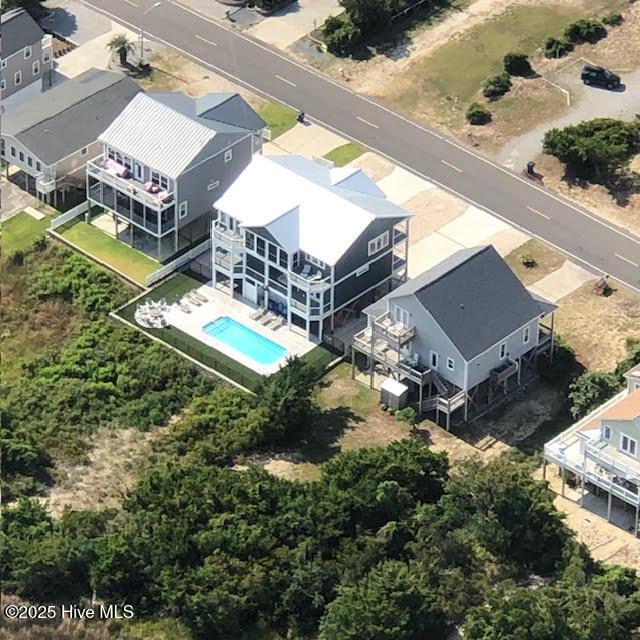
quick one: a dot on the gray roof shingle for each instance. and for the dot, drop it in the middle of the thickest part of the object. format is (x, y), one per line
(70, 115)
(17, 30)
(476, 299)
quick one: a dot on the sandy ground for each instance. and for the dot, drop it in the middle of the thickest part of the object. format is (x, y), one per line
(110, 470)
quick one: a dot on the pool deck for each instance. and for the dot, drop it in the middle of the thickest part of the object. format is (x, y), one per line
(222, 304)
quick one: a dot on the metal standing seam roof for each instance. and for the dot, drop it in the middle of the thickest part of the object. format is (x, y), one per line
(306, 206)
(475, 298)
(17, 30)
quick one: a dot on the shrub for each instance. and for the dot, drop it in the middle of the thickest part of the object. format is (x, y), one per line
(590, 390)
(17, 258)
(477, 114)
(527, 260)
(340, 35)
(408, 415)
(517, 64)
(585, 30)
(613, 19)
(496, 86)
(555, 48)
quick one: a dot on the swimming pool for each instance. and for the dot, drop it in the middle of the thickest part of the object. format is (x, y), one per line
(247, 342)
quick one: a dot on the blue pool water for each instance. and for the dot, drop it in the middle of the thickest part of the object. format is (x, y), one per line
(242, 339)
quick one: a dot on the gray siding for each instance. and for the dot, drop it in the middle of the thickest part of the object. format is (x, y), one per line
(430, 337)
(620, 427)
(192, 185)
(358, 253)
(354, 285)
(17, 62)
(480, 367)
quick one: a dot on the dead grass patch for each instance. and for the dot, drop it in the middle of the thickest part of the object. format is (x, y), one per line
(547, 260)
(597, 327)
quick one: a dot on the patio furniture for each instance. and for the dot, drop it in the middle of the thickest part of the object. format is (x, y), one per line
(258, 313)
(183, 308)
(306, 270)
(279, 321)
(151, 187)
(193, 300)
(199, 296)
(268, 318)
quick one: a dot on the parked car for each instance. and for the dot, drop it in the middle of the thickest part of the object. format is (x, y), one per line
(599, 76)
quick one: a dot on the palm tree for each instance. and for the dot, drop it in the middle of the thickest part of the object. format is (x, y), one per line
(122, 45)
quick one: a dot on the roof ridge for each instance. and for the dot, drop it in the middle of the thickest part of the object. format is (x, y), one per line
(182, 115)
(480, 249)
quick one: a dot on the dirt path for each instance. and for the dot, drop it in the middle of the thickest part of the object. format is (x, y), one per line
(370, 76)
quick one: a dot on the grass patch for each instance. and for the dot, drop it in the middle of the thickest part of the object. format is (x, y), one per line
(344, 154)
(115, 253)
(546, 259)
(345, 392)
(21, 231)
(279, 118)
(171, 290)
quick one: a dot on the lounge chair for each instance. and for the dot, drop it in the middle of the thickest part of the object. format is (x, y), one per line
(306, 271)
(277, 323)
(193, 300)
(198, 296)
(268, 318)
(257, 313)
(184, 307)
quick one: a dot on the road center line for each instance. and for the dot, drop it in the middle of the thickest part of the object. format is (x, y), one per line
(543, 215)
(451, 166)
(213, 44)
(617, 255)
(285, 80)
(375, 126)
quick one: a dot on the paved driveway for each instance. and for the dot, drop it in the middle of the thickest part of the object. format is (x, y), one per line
(12, 199)
(74, 21)
(586, 103)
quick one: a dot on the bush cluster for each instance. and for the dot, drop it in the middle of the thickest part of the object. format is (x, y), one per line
(340, 35)
(496, 86)
(517, 64)
(477, 114)
(613, 19)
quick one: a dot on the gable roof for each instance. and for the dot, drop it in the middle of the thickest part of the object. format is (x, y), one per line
(475, 298)
(70, 115)
(229, 108)
(626, 409)
(166, 132)
(306, 206)
(17, 30)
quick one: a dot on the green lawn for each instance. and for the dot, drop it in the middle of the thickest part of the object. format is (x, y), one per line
(123, 258)
(344, 154)
(278, 118)
(21, 231)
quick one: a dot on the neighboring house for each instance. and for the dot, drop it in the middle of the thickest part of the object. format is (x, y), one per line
(26, 59)
(51, 137)
(310, 243)
(601, 452)
(165, 160)
(460, 335)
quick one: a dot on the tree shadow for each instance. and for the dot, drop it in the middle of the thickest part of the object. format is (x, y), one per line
(621, 187)
(59, 21)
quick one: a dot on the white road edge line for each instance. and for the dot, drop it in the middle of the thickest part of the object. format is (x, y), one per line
(617, 255)
(133, 4)
(287, 81)
(451, 166)
(450, 141)
(230, 76)
(213, 44)
(375, 126)
(544, 215)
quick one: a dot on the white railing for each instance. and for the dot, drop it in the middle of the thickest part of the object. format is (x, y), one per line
(63, 218)
(45, 184)
(174, 265)
(599, 457)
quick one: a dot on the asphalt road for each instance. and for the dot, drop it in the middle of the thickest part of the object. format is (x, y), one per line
(595, 243)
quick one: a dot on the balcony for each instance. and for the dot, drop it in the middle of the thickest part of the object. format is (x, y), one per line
(309, 277)
(394, 332)
(503, 372)
(118, 176)
(225, 236)
(45, 184)
(223, 259)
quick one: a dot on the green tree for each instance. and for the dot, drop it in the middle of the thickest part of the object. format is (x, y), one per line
(121, 45)
(596, 150)
(590, 390)
(496, 86)
(477, 114)
(517, 64)
(585, 30)
(392, 602)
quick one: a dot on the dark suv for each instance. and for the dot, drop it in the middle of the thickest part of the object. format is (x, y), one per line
(600, 77)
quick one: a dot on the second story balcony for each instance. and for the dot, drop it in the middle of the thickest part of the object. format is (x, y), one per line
(309, 277)
(225, 236)
(395, 333)
(108, 171)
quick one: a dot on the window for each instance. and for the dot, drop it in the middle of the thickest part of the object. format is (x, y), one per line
(35, 67)
(13, 152)
(401, 315)
(30, 161)
(38, 166)
(362, 270)
(111, 153)
(213, 185)
(3, 64)
(260, 246)
(526, 335)
(183, 209)
(3, 84)
(283, 259)
(83, 151)
(451, 365)
(228, 154)
(379, 243)
(250, 240)
(21, 156)
(17, 78)
(607, 432)
(273, 253)
(159, 179)
(27, 52)
(433, 359)
(315, 261)
(503, 351)
(46, 56)
(628, 445)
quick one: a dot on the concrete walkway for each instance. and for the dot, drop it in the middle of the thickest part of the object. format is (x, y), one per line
(308, 140)
(402, 185)
(561, 282)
